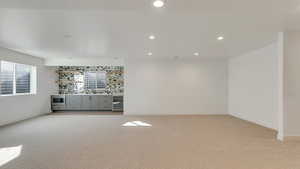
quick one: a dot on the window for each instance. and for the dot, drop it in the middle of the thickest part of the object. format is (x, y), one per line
(79, 83)
(101, 80)
(6, 78)
(17, 79)
(95, 80)
(22, 78)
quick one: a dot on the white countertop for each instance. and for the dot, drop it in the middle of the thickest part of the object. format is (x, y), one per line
(90, 94)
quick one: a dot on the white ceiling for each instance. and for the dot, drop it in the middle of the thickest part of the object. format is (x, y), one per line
(120, 28)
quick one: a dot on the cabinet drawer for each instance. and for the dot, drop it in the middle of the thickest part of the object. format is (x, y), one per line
(58, 108)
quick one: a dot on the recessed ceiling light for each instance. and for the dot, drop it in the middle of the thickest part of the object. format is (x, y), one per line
(196, 54)
(220, 38)
(151, 37)
(158, 3)
(150, 54)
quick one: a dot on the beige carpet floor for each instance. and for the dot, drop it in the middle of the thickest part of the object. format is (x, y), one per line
(78, 141)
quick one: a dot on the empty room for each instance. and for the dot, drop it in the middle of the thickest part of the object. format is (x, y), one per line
(149, 84)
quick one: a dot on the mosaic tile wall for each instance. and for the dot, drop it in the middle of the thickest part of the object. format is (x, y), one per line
(69, 83)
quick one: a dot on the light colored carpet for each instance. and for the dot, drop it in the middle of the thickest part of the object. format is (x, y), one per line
(77, 141)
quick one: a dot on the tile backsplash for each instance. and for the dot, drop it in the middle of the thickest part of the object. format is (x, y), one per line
(69, 84)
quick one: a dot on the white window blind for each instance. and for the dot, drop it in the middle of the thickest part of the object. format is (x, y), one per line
(90, 80)
(101, 80)
(95, 80)
(16, 79)
(6, 78)
(23, 78)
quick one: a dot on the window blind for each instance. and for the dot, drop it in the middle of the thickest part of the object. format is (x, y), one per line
(90, 80)
(95, 80)
(101, 80)
(17, 78)
(6, 78)
(23, 78)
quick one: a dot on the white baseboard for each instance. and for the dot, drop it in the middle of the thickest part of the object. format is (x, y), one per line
(253, 121)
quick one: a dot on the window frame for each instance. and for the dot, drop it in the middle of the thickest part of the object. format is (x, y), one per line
(33, 80)
(96, 83)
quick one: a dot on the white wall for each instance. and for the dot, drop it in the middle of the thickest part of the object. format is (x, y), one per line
(254, 89)
(292, 83)
(15, 108)
(160, 87)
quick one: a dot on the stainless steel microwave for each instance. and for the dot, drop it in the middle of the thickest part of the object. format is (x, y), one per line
(58, 100)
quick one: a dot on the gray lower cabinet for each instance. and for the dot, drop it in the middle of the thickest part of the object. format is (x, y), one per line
(89, 102)
(106, 103)
(73, 102)
(86, 102)
(95, 102)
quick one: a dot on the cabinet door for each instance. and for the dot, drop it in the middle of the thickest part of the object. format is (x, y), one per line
(91, 102)
(106, 102)
(96, 103)
(73, 102)
(86, 103)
